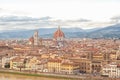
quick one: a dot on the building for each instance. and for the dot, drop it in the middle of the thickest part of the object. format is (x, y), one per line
(111, 70)
(69, 68)
(59, 37)
(118, 54)
(54, 65)
(5, 61)
(31, 40)
(92, 63)
(85, 65)
(96, 66)
(42, 67)
(36, 38)
(17, 63)
(31, 63)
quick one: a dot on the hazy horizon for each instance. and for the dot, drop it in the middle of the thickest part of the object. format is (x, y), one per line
(34, 14)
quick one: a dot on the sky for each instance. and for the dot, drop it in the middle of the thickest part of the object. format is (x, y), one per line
(33, 14)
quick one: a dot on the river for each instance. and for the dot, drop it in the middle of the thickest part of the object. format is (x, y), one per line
(21, 77)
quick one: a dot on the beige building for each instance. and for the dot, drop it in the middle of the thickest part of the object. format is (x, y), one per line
(32, 63)
(69, 68)
(54, 65)
(84, 65)
(17, 63)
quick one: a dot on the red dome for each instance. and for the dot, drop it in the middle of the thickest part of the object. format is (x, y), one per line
(58, 34)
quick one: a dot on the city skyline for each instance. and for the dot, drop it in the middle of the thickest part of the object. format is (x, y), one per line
(60, 39)
(34, 14)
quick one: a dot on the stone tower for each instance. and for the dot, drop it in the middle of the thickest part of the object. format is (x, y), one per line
(118, 54)
(36, 38)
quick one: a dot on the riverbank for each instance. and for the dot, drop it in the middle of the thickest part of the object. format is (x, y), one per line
(51, 76)
(40, 75)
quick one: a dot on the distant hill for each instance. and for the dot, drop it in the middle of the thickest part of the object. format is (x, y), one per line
(43, 32)
(106, 32)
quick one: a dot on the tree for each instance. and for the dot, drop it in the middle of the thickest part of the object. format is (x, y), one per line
(7, 65)
(21, 65)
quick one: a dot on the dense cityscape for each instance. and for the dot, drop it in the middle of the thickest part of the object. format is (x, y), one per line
(62, 56)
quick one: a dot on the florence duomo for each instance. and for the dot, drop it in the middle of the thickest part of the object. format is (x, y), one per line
(59, 39)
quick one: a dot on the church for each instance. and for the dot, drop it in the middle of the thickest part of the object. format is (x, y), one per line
(58, 39)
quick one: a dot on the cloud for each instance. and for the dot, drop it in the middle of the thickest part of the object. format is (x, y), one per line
(116, 19)
(17, 19)
(79, 20)
(11, 11)
(0, 9)
(98, 24)
(46, 18)
(70, 23)
(24, 22)
(82, 20)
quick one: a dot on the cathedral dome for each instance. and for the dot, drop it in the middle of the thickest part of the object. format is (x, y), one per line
(59, 34)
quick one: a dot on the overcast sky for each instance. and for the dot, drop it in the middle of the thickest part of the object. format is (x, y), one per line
(32, 14)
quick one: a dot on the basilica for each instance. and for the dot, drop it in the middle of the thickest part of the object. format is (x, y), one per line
(58, 39)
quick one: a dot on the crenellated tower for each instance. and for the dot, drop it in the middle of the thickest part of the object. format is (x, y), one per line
(36, 38)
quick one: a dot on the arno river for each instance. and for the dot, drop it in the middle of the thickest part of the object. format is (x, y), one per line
(21, 77)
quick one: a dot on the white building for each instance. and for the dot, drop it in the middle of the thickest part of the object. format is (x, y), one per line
(111, 70)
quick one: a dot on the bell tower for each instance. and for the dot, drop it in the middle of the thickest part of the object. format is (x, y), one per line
(36, 38)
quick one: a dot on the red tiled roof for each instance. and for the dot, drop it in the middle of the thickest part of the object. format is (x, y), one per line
(55, 60)
(69, 63)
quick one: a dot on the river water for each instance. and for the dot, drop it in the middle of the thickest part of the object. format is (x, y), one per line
(21, 77)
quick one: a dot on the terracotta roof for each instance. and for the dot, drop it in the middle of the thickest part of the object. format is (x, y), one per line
(18, 59)
(69, 63)
(118, 65)
(55, 60)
